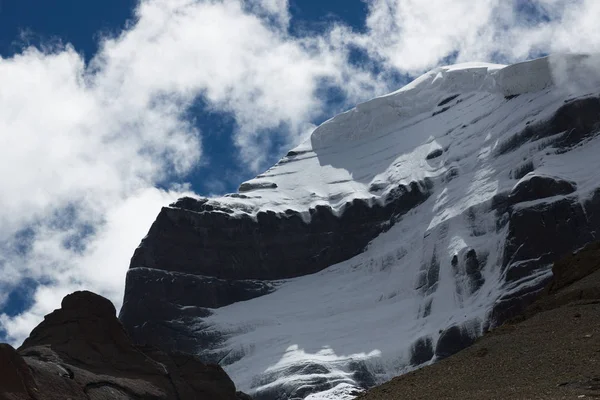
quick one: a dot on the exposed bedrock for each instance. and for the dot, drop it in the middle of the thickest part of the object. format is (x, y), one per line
(421, 351)
(573, 122)
(81, 351)
(186, 238)
(161, 306)
(455, 338)
(197, 257)
(544, 220)
(539, 187)
(539, 233)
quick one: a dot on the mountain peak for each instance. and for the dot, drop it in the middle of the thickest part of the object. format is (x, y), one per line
(395, 235)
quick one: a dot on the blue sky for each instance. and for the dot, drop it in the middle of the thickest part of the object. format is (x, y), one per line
(110, 110)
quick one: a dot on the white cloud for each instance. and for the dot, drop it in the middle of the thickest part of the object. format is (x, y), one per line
(85, 146)
(101, 267)
(236, 59)
(78, 156)
(414, 35)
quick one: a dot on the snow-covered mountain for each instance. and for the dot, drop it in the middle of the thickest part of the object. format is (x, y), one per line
(396, 234)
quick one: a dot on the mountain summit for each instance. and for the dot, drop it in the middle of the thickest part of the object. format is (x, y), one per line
(397, 234)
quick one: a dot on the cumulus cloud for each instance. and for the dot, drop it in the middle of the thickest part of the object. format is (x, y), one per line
(413, 35)
(85, 147)
(101, 266)
(75, 154)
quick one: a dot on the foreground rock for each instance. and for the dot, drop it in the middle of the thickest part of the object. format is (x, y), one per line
(552, 351)
(81, 351)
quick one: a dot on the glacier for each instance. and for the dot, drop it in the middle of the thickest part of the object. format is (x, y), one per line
(508, 159)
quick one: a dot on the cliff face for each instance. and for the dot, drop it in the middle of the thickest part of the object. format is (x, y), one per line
(397, 234)
(81, 351)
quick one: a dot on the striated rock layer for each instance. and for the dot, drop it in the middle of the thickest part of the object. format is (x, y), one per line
(396, 235)
(81, 351)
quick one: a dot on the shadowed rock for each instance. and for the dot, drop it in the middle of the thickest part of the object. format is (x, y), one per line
(571, 124)
(434, 154)
(421, 351)
(473, 268)
(539, 187)
(81, 351)
(452, 340)
(197, 238)
(197, 256)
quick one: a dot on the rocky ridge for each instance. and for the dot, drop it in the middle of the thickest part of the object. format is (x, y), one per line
(81, 351)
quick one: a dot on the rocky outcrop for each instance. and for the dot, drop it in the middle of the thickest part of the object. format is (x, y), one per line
(539, 235)
(162, 305)
(421, 351)
(193, 237)
(575, 121)
(452, 340)
(81, 351)
(538, 187)
(198, 256)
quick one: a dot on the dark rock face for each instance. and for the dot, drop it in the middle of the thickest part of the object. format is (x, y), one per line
(514, 303)
(573, 122)
(539, 187)
(452, 340)
(197, 256)
(473, 268)
(448, 100)
(16, 380)
(575, 279)
(538, 236)
(199, 240)
(563, 274)
(196, 290)
(247, 186)
(161, 305)
(548, 228)
(81, 351)
(592, 212)
(434, 154)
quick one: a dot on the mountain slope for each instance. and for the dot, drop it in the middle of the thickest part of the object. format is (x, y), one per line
(553, 354)
(398, 233)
